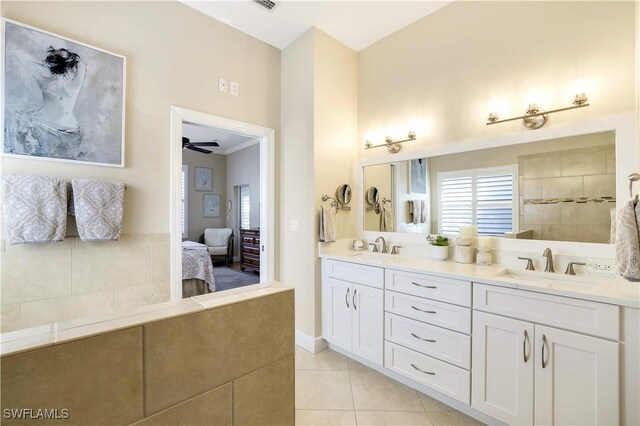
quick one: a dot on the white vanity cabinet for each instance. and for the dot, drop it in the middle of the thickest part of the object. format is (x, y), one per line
(352, 308)
(524, 372)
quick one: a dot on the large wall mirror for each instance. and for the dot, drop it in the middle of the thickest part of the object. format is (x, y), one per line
(561, 189)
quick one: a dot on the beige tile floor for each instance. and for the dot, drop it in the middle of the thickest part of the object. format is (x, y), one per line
(332, 389)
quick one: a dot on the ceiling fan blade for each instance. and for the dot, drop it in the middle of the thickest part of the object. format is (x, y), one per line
(195, 148)
(205, 143)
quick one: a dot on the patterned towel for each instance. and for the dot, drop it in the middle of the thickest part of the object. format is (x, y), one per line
(628, 241)
(98, 207)
(328, 224)
(35, 208)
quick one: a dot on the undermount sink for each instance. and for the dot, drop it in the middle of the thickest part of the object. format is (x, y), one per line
(542, 277)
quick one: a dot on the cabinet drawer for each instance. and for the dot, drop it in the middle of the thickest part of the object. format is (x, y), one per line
(445, 378)
(446, 345)
(354, 273)
(436, 288)
(441, 314)
(598, 319)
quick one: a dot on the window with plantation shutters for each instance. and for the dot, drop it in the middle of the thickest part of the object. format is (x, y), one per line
(245, 208)
(185, 191)
(486, 198)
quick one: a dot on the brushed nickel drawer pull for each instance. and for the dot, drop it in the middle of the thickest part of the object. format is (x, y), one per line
(544, 343)
(525, 341)
(423, 286)
(422, 338)
(422, 310)
(422, 371)
(346, 298)
(355, 293)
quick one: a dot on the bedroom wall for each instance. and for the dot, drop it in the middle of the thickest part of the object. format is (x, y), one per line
(174, 57)
(243, 168)
(218, 164)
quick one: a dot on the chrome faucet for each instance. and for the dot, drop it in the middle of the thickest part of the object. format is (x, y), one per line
(547, 253)
(383, 249)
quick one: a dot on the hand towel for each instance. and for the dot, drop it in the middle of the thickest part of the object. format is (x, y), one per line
(383, 218)
(423, 211)
(98, 208)
(328, 224)
(628, 241)
(417, 211)
(35, 208)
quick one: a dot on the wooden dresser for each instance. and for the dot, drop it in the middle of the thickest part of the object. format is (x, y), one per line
(250, 249)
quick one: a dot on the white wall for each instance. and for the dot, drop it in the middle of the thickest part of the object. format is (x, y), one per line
(243, 168)
(218, 164)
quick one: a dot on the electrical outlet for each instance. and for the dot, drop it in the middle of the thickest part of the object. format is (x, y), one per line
(234, 88)
(223, 85)
(600, 266)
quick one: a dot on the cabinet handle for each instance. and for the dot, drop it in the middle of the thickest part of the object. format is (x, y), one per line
(422, 338)
(544, 343)
(422, 310)
(355, 292)
(524, 346)
(423, 286)
(346, 298)
(422, 371)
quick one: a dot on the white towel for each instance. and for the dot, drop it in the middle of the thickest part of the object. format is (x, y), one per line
(628, 241)
(35, 208)
(418, 210)
(99, 207)
(328, 224)
(423, 211)
(192, 245)
(383, 218)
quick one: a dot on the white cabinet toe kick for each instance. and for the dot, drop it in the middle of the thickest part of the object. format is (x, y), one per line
(502, 355)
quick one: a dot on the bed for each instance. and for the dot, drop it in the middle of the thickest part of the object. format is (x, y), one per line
(197, 270)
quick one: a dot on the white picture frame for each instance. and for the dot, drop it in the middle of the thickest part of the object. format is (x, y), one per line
(211, 205)
(203, 179)
(102, 145)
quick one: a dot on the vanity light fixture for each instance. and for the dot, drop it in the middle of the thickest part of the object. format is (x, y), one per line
(536, 117)
(392, 145)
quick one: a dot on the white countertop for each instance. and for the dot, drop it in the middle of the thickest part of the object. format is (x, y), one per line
(607, 289)
(66, 331)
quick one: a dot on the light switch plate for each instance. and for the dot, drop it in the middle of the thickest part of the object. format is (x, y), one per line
(234, 88)
(295, 225)
(222, 85)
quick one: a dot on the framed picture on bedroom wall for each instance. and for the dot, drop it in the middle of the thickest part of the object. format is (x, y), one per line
(211, 205)
(63, 99)
(204, 179)
(418, 176)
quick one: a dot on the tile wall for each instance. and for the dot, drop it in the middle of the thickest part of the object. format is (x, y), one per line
(232, 364)
(549, 180)
(45, 283)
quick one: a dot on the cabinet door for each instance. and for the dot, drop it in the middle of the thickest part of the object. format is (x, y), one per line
(368, 323)
(503, 368)
(576, 379)
(336, 312)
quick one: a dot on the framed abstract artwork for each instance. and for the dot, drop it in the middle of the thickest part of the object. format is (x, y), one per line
(204, 179)
(63, 100)
(211, 205)
(418, 176)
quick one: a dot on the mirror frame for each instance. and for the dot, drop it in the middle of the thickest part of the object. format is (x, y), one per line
(626, 131)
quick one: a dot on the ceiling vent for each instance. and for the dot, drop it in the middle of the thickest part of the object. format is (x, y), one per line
(268, 5)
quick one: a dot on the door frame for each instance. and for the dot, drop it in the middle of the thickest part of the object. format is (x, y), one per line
(266, 137)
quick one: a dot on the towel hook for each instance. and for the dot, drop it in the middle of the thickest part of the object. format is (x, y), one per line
(633, 177)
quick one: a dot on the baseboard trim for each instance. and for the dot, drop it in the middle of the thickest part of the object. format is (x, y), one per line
(310, 344)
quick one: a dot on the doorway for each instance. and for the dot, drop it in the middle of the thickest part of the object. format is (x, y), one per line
(263, 209)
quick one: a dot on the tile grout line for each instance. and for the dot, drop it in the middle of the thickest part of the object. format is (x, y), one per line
(425, 411)
(353, 399)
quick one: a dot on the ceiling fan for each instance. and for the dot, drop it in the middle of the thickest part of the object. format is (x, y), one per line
(195, 146)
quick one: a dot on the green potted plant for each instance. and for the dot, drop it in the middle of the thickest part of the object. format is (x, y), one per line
(438, 247)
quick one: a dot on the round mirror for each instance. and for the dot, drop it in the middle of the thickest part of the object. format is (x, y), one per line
(372, 195)
(343, 194)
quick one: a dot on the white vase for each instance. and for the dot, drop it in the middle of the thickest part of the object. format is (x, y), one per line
(438, 252)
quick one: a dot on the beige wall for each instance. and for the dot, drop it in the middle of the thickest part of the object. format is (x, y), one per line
(218, 163)
(446, 69)
(319, 107)
(243, 168)
(174, 57)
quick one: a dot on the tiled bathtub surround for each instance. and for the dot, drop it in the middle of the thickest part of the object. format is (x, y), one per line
(551, 182)
(45, 283)
(223, 365)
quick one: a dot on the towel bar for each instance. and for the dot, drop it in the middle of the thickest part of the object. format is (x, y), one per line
(335, 203)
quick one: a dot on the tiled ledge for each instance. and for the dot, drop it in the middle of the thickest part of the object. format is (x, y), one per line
(65, 331)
